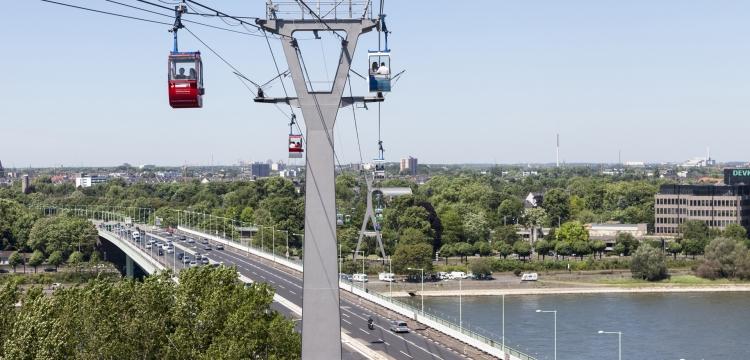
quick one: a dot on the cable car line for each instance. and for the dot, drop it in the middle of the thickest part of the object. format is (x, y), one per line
(185, 20)
(229, 16)
(106, 12)
(214, 51)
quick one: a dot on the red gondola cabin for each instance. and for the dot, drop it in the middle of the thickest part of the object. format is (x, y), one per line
(185, 80)
(295, 146)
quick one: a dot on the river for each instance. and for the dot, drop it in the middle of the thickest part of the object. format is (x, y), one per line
(654, 326)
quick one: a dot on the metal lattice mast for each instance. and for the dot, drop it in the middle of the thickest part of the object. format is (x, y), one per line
(370, 216)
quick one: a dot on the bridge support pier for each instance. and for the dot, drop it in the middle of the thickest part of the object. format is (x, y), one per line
(129, 270)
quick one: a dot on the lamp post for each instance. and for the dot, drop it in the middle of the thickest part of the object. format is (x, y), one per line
(354, 252)
(619, 341)
(421, 293)
(460, 304)
(555, 314)
(503, 324)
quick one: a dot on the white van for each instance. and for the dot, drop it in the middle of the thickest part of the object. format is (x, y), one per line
(457, 275)
(389, 277)
(529, 277)
(136, 236)
(359, 277)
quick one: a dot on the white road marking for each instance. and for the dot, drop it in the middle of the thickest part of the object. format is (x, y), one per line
(406, 354)
(344, 320)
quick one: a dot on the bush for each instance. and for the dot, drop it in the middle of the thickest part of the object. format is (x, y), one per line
(724, 258)
(648, 264)
(517, 272)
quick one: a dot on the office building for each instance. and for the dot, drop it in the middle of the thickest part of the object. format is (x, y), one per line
(84, 181)
(716, 205)
(409, 166)
(259, 170)
(2, 171)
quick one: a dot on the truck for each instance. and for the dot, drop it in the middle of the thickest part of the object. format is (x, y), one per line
(359, 277)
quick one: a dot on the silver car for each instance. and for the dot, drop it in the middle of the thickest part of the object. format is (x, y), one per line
(398, 326)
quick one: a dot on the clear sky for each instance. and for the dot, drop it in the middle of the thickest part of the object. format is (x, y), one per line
(486, 81)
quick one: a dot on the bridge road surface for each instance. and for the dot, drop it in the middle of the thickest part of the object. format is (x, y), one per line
(354, 315)
(190, 249)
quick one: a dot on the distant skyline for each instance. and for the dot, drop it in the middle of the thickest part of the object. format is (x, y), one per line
(658, 81)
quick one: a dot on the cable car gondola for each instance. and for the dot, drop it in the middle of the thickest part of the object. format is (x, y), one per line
(379, 63)
(185, 80)
(184, 71)
(295, 141)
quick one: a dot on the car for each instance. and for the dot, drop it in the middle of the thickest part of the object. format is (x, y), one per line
(182, 237)
(180, 255)
(161, 252)
(399, 326)
(148, 245)
(359, 277)
(198, 256)
(55, 286)
(190, 240)
(204, 241)
(193, 263)
(207, 247)
(219, 246)
(205, 261)
(170, 251)
(186, 259)
(345, 277)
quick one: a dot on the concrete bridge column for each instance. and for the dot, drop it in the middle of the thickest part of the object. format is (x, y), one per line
(129, 267)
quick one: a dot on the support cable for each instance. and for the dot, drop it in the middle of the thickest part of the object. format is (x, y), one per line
(106, 12)
(313, 13)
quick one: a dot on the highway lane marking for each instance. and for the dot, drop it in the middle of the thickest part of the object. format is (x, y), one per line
(400, 337)
(362, 330)
(292, 292)
(406, 354)
(244, 261)
(281, 286)
(344, 320)
(344, 315)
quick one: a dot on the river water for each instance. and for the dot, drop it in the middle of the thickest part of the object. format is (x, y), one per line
(654, 326)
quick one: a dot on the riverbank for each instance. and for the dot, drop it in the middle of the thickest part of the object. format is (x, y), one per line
(560, 283)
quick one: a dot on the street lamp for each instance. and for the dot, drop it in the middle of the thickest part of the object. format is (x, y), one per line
(619, 341)
(354, 253)
(555, 313)
(421, 293)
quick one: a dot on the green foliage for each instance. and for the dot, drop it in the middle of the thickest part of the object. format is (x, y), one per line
(557, 204)
(725, 258)
(674, 248)
(208, 315)
(506, 234)
(56, 258)
(36, 259)
(414, 256)
(573, 231)
(626, 244)
(481, 267)
(522, 248)
(581, 248)
(564, 248)
(693, 247)
(735, 231)
(695, 230)
(64, 234)
(598, 247)
(482, 248)
(648, 264)
(504, 249)
(15, 259)
(543, 248)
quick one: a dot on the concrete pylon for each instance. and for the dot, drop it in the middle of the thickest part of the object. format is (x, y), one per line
(321, 324)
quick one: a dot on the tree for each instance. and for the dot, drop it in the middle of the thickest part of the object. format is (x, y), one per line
(504, 249)
(674, 248)
(510, 210)
(75, 259)
(483, 248)
(36, 259)
(414, 256)
(563, 248)
(543, 247)
(447, 251)
(573, 231)
(476, 227)
(598, 247)
(411, 236)
(557, 204)
(453, 226)
(694, 230)
(692, 247)
(15, 259)
(464, 250)
(522, 248)
(581, 248)
(723, 257)
(481, 268)
(55, 259)
(648, 264)
(735, 231)
(533, 218)
(506, 234)
(625, 243)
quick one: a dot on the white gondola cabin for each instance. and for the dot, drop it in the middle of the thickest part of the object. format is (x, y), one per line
(379, 165)
(379, 71)
(295, 146)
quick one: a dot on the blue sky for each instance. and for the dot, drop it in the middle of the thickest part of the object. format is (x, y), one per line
(486, 81)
